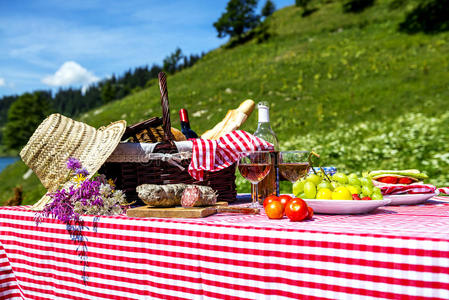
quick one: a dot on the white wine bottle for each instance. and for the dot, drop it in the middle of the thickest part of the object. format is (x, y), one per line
(269, 185)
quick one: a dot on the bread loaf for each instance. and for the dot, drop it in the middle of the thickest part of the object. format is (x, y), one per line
(232, 121)
(178, 135)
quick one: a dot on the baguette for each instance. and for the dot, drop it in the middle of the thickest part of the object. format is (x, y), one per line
(246, 107)
(232, 121)
(178, 135)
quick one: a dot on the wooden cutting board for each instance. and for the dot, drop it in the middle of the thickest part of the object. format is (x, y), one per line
(173, 212)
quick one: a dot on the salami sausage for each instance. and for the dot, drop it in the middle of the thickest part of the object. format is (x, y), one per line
(196, 195)
(168, 195)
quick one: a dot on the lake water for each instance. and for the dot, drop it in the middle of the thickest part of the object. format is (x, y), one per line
(5, 161)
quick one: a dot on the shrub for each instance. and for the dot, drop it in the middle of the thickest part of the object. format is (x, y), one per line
(302, 3)
(430, 16)
(356, 6)
(395, 4)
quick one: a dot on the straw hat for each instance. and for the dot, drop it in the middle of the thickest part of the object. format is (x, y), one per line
(57, 139)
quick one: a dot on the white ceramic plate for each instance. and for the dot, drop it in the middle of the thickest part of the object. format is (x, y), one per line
(343, 207)
(409, 199)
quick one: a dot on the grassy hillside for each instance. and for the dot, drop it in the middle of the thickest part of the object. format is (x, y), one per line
(350, 86)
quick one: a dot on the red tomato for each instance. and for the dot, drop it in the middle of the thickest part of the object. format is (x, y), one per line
(269, 199)
(355, 197)
(310, 213)
(405, 180)
(284, 199)
(274, 210)
(296, 209)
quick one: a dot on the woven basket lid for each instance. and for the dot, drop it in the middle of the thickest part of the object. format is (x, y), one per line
(58, 138)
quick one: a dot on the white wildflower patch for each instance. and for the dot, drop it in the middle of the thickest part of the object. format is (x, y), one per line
(98, 111)
(412, 141)
(199, 113)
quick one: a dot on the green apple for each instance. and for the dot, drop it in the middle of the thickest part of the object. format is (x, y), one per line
(354, 181)
(353, 175)
(325, 185)
(366, 181)
(335, 184)
(367, 190)
(324, 194)
(340, 177)
(377, 196)
(354, 189)
(298, 187)
(341, 193)
(315, 179)
(377, 190)
(310, 190)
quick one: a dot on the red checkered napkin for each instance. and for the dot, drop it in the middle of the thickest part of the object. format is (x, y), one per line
(215, 155)
(413, 189)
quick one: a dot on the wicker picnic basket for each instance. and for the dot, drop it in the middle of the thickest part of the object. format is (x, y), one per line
(129, 175)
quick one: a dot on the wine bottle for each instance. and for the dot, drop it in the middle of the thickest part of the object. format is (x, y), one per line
(185, 125)
(268, 186)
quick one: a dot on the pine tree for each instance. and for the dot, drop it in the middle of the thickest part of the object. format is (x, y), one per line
(238, 18)
(24, 116)
(108, 92)
(302, 3)
(268, 9)
(171, 62)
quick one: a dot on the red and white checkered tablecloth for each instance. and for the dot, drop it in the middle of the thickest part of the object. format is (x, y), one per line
(395, 252)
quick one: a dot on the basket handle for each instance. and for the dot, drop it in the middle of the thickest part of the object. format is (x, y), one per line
(166, 124)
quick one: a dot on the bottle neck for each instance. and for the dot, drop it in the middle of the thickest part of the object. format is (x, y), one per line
(264, 130)
(184, 117)
(264, 125)
(185, 125)
(264, 114)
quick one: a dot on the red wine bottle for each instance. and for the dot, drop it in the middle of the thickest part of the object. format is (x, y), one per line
(185, 125)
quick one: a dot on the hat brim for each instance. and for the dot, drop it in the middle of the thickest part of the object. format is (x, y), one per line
(58, 138)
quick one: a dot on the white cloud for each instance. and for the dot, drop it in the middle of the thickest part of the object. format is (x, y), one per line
(70, 73)
(2, 81)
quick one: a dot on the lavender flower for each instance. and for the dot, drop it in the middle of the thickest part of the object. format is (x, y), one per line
(73, 164)
(82, 171)
(81, 196)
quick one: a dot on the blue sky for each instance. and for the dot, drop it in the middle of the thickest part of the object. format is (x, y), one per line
(51, 44)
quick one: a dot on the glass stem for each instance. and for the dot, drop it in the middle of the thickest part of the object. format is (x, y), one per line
(255, 194)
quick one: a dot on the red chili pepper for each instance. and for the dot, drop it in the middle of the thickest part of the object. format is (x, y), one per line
(405, 180)
(388, 179)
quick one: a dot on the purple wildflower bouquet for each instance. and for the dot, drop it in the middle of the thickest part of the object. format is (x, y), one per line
(81, 195)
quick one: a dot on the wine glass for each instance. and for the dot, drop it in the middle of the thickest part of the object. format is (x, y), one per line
(254, 166)
(293, 165)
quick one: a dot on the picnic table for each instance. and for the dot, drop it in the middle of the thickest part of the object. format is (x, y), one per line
(394, 252)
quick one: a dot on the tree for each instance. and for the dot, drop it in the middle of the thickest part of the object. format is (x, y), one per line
(5, 104)
(108, 91)
(238, 18)
(356, 6)
(268, 9)
(302, 3)
(171, 62)
(24, 116)
(430, 16)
